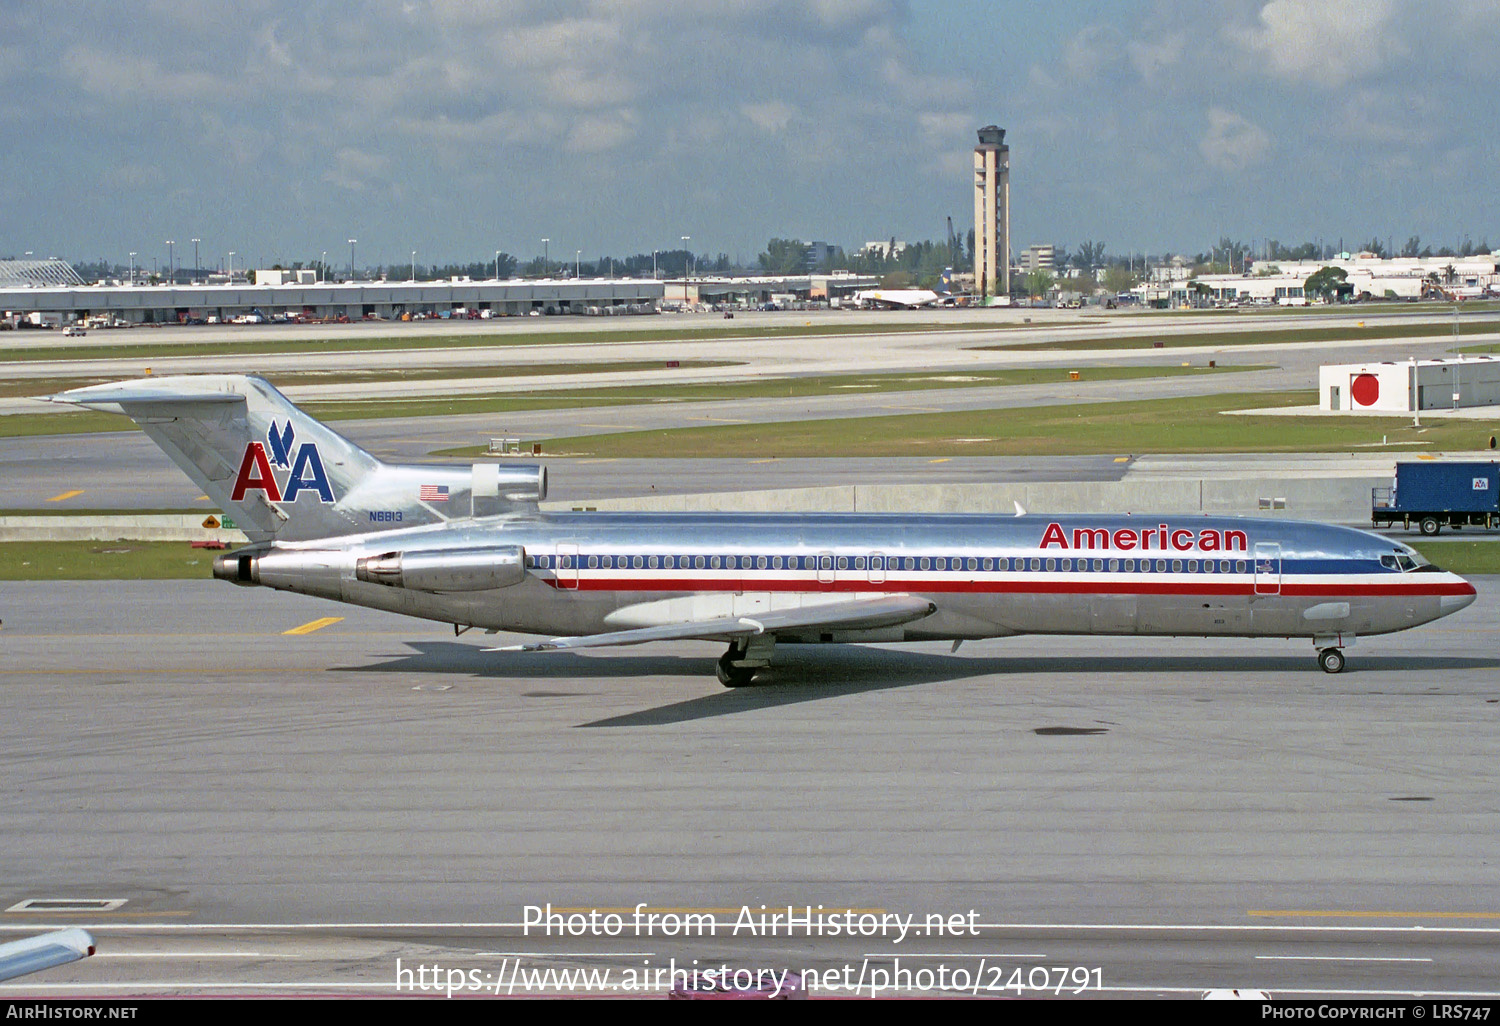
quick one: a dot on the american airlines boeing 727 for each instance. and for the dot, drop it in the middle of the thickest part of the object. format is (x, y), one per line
(469, 546)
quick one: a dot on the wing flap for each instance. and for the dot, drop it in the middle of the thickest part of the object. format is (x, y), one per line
(854, 614)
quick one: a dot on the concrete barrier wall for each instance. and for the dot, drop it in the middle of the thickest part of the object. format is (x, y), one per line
(171, 527)
(1345, 500)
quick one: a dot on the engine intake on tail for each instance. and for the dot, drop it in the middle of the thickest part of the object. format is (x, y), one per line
(486, 569)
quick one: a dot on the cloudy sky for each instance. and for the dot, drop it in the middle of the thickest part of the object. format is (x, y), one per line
(280, 129)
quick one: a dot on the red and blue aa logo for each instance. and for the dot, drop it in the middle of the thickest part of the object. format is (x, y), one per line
(305, 468)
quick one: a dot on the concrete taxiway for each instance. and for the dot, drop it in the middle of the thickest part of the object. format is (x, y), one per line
(292, 812)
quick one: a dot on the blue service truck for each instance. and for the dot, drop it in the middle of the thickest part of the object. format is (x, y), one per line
(1435, 495)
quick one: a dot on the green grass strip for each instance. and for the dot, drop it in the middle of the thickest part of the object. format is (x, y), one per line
(103, 561)
(1462, 557)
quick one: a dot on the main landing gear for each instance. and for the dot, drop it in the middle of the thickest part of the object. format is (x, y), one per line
(731, 674)
(745, 658)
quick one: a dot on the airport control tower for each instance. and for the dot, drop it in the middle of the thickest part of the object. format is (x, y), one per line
(992, 213)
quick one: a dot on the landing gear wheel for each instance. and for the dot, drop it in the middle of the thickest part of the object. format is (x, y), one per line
(730, 675)
(1331, 660)
(1429, 525)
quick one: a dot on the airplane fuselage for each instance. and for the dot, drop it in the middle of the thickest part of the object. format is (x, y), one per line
(986, 576)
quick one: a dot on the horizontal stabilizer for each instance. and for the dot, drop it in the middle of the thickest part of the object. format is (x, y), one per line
(113, 398)
(34, 954)
(854, 614)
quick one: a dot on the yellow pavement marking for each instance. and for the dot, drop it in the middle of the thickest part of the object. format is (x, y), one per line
(1122, 459)
(1357, 914)
(772, 459)
(203, 498)
(945, 459)
(66, 495)
(315, 625)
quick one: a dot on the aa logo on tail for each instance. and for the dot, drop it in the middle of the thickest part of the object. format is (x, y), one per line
(304, 463)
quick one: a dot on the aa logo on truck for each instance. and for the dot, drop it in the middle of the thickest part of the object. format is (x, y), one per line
(303, 465)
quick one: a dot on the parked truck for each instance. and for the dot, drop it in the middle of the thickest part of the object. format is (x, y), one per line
(1435, 495)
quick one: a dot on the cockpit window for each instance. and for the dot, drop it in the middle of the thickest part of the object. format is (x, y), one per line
(1406, 561)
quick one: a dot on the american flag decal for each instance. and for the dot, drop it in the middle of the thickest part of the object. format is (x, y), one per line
(433, 493)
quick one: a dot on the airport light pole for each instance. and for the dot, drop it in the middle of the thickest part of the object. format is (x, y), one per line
(497, 265)
(132, 267)
(413, 265)
(195, 260)
(231, 267)
(351, 258)
(323, 267)
(545, 254)
(577, 264)
(653, 264)
(685, 273)
(171, 264)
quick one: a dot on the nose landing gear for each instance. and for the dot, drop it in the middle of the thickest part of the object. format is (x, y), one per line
(1331, 660)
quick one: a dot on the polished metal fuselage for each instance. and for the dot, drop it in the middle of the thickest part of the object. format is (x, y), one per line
(987, 576)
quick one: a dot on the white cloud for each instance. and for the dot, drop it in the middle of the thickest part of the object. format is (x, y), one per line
(1325, 42)
(772, 116)
(1233, 143)
(355, 169)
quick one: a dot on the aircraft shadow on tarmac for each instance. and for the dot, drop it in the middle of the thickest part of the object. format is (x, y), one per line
(811, 673)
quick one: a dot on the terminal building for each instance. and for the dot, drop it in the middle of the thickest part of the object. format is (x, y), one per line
(50, 293)
(1410, 386)
(356, 300)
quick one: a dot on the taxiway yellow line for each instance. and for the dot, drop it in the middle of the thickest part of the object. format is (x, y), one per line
(315, 625)
(66, 495)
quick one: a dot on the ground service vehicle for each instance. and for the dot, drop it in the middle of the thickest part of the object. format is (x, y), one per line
(1434, 495)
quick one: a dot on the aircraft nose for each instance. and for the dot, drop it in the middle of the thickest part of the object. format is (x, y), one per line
(1461, 599)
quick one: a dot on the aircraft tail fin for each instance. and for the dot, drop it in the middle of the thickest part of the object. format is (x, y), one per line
(278, 472)
(283, 476)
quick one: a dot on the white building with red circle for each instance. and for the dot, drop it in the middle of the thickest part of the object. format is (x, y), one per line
(1408, 386)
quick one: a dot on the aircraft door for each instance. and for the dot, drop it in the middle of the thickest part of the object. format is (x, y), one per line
(566, 570)
(1267, 568)
(875, 567)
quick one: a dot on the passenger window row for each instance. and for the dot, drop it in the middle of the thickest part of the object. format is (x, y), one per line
(895, 564)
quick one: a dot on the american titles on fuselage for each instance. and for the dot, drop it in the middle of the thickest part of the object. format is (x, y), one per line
(1161, 537)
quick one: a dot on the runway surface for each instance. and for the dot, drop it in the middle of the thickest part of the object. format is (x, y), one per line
(294, 812)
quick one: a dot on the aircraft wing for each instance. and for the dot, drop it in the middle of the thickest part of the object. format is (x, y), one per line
(34, 954)
(854, 614)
